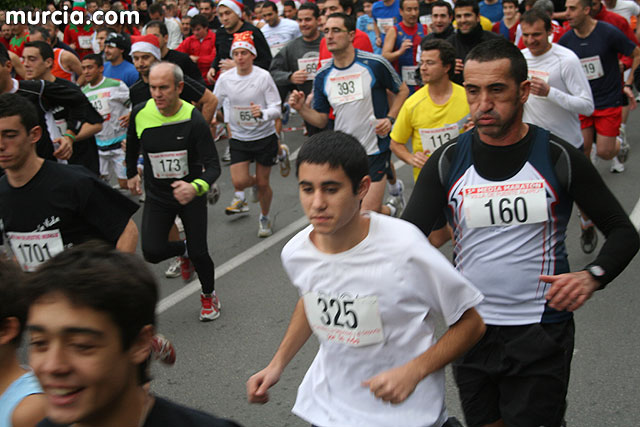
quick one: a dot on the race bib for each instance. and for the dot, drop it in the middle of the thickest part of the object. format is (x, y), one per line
(32, 249)
(514, 203)
(323, 62)
(426, 20)
(343, 89)
(592, 67)
(542, 75)
(102, 107)
(309, 65)
(432, 139)
(276, 48)
(169, 164)
(369, 27)
(244, 117)
(409, 74)
(383, 23)
(84, 42)
(350, 321)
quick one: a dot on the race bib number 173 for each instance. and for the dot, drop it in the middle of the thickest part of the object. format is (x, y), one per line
(350, 321)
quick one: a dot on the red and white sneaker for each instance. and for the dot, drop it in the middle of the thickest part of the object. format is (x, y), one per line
(209, 307)
(163, 350)
(186, 268)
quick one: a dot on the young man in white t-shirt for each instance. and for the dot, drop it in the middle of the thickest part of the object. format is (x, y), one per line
(368, 295)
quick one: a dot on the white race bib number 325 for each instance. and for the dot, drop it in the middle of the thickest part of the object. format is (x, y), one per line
(514, 203)
(354, 322)
(32, 249)
(169, 164)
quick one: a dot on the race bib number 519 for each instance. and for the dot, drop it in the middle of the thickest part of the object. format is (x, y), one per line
(514, 203)
(350, 321)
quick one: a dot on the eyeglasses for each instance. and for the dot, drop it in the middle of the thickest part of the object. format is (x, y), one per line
(334, 30)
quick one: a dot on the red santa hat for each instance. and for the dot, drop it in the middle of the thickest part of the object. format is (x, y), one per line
(147, 44)
(243, 40)
(235, 5)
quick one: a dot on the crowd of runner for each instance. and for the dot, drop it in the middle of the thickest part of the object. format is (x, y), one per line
(501, 108)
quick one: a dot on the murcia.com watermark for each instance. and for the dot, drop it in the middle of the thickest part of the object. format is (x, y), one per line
(75, 17)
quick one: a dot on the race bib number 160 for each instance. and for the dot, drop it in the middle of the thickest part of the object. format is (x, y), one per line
(350, 321)
(513, 203)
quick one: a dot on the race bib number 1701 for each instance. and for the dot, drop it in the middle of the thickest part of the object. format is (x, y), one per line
(32, 249)
(350, 321)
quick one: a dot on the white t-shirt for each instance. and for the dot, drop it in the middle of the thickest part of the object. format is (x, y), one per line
(570, 93)
(277, 37)
(410, 281)
(236, 93)
(626, 9)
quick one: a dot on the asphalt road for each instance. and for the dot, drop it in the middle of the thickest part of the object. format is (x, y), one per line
(215, 359)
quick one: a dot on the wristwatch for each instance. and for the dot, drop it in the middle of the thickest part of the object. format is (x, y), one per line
(596, 271)
(391, 119)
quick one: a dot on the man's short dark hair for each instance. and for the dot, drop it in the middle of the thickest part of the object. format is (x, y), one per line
(289, 3)
(12, 303)
(45, 49)
(401, 5)
(339, 150)
(310, 6)
(44, 32)
(532, 15)
(513, 2)
(12, 104)
(468, 3)
(95, 57)
(199, 19)
(349, 21)
(209, 2)
(160, 26)
(501, 48)
(4, 54)
(442, 3)
(347, 4)
(446, 49)
(269, 4)
(99, 277)
(156, 8)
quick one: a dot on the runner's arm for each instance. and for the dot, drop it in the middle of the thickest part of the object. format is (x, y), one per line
(389, 43)
(297, 334)
(396, 384)
(579, 98)
(207, 105)
(206, 149)
(71, 62)
(128, 240)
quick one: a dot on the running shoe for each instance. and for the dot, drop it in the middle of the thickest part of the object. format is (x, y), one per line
(589, 239)
(264, 228)
(209, 307)
(174, 268)
(237, 206)
(394, 208)
(213, 195)
(186, 268)
(286, 112)
(226, 157)
(623, 154)
(616, 166)
(163, 350)
(399, 198)
(283, 159)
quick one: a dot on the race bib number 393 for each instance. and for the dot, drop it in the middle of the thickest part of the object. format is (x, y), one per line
(344, 89)
(32, 249)
(169, 164)
(354, 322)
(513, 203)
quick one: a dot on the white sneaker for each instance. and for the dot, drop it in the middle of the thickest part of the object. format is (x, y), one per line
(226, 157)
(213, 195)
(623, 154)
(264, 228)
(616, 166)
(174, 269)
(237, 206)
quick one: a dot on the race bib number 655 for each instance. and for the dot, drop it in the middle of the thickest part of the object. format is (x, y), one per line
(513, 203)
(350, 321)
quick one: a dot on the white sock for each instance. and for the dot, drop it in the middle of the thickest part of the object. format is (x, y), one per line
(239, 195)
(264, 217)
(394, 189)
(392, 210)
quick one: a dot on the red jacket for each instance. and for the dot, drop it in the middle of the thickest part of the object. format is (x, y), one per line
(80, 37)
(205, 50)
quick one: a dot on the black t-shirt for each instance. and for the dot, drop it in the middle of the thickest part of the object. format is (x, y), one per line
(182, 60)
(139, 92)
(168, 414)
(67, 198)
(223, 46)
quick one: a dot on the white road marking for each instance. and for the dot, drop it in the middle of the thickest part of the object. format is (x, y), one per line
(194, 286)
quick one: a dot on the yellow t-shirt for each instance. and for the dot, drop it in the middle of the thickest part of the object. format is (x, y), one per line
(429, 125)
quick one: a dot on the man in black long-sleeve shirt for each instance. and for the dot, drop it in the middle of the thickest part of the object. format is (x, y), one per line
(180, 164)
(230, 14)
(507, 189)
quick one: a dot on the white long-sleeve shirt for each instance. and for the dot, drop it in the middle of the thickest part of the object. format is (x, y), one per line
(256, 87)
(569, 95)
